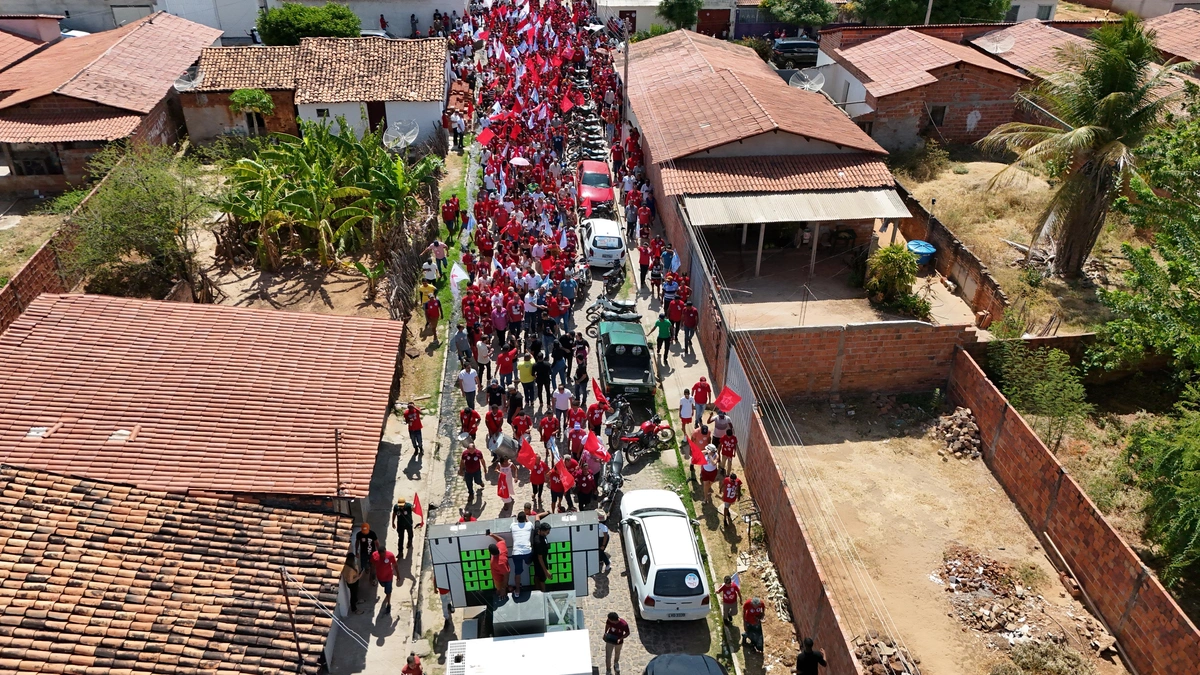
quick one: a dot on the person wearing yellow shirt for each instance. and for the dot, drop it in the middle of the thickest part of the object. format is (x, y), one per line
(427, 291)
(525, 375)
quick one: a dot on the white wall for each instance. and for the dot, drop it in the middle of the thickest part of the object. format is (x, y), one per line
(1028, 9)
(647, 11)
(235, 17)
(428, 115)
(396, 13)
(355, 114)
(1150, 8)
(836, 79)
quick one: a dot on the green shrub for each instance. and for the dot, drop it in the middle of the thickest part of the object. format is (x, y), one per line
(65, 203)
(759, 45)
(287, 24)
(891, 272)
(922, 164)
(1045, 387)
(655, 31)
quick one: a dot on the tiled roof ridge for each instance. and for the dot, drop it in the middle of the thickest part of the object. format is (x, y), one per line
(754, 98)
(933, 42)
(699, 52)
(137, 26)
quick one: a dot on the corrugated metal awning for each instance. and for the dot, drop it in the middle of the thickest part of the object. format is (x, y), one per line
(790, 207)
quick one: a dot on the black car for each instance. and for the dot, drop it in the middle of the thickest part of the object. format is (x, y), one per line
(684, 664)
(796, 52)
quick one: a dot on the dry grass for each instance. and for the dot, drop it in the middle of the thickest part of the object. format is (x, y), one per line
(19, 243)
(1070, 11)
(982, 212)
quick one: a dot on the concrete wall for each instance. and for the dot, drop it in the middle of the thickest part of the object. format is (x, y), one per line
(891, 356)
(1028, 9)
(235, 17)
(774, 143)
(397, 14)
(38, 28)
(1145, 8)
(1154, 633)
(647, 12)
(843, 86)
(428, 115)
(355, 114)
(207, 115)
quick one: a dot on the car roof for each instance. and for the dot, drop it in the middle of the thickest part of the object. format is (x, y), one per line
(684, 664)
(593, 166)
(789, 40)
(672, 540)
(637, 500)
(623, 333)
(604, 226)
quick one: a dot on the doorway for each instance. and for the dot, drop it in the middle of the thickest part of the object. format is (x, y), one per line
(376, 114)
(713, 22)
(629, 16)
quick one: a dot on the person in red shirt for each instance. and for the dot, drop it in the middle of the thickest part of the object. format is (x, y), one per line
(643, 217)
(469, 418)
(618, 156)
(412, 417)
(701, 391)
(558, 491)
(537, 478)
(433, 313)
(616, 630)
(386, 569)
(504, 365)
(595, 416)
(675, 314)
(728, 445)
(730, 594)
(577, 436)
(548, 426)
(752, 616)
(499, 565)
(413, 665)
(470, 467)
(576, 415)
(521, 424)
(691, 319)
(494, 419)
(731, 489)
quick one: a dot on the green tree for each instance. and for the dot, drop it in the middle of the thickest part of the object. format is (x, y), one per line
(285, 25)
(680, 13)
(1044, 386)
(252, 101)
(891, 271)
(760, 46)
(815, 13)
(142, 219)
(912, 12)
(1106, 99)
(1158, 311)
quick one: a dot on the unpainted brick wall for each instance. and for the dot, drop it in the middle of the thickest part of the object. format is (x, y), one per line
(954, 260)
(891, 356)
(844, 38)
(814, 613)
(1154, 633)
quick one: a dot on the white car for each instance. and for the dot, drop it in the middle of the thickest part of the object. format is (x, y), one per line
(664, 564)
(603, 242)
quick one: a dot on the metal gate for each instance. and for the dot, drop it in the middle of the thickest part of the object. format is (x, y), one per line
(735, 379)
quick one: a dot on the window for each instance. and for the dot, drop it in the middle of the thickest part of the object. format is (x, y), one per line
(1045, 12)
(676, 583)
(322, 112)
(1186, 5)
(938, 114)
(1011, 15)
(36, 163)
(599, 180)
(607, 243)
(867, 127)
(750, 15)
(255, 124)
(640, 549)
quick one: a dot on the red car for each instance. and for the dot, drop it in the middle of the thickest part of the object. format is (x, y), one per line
(593, 183)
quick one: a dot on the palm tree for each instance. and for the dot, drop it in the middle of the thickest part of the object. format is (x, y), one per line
(1106, 99)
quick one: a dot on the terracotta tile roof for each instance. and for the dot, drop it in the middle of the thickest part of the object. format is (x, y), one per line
(1177, 34)
(691, 92)
(104, 578)
(230, 68)
(15, 47)
(82, 125)
(213, 398)
(780, 173)
(338, 70)
(901, 60)
(131, 67)
(1035, 46)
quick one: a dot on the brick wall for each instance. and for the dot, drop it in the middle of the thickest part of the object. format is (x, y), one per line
(1154, 634)
(40, 274)
(814, 613)
(209, 114)
(844, 38)
(955, 261)
(891, 356)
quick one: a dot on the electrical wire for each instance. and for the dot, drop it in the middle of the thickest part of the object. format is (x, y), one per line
(358, 639)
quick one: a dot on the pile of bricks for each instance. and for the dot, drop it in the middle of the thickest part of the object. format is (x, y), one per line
(961, 433)
(987, 596)
(880, 655)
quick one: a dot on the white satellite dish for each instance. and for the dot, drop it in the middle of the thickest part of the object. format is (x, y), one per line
(401, 134)
(188, 80)
(809, 79)
(995, 43)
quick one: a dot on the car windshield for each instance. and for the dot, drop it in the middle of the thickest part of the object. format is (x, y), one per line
(607, 243)
(678, 583)
(598, 180)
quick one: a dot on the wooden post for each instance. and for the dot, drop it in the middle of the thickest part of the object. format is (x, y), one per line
(895, 224)
(291, 617)
(745, 228)
(762, 231)
(812, 261)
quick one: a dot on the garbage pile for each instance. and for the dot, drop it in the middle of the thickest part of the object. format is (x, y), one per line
(961, 434)
(988, 597)
(880, 655)
(776, 594)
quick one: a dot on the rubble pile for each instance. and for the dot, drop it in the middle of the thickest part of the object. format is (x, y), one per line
(776, 594)
(880, 655)
(987, 597)
(1093, 634)
(887, 403)
(961, 434)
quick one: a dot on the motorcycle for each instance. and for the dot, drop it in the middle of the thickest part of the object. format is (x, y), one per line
(612, 480)
(603, 304)
(652, 435)
(593, 329)
(619, 420)
(614, 279)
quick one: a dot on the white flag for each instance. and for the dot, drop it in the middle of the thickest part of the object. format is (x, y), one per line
(675, 262)
(457, 276)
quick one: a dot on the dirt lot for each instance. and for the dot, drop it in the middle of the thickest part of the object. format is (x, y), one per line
(981, 214)
(22, 233)
(905, 510)
(1070, 11)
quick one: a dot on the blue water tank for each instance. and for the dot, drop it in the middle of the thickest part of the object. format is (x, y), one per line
(923, 250)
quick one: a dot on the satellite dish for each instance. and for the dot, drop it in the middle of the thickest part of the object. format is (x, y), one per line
(188, 80)
(809, 79)
(995, 43)
(401, 134)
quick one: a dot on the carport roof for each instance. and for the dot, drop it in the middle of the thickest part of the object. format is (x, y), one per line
(792, 207)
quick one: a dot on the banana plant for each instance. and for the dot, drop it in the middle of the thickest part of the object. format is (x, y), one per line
(373, 275)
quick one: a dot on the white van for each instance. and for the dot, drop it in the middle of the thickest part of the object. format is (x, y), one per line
(603, 242)
(664, 564)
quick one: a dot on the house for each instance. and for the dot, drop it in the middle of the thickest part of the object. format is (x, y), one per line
(1177, 34)
(21, 35)
(64, 102)
(368, 81)
(905, 85)
(98, 576)
(198, 399)
(1020, 10)
(1148, 9)
(714, 18)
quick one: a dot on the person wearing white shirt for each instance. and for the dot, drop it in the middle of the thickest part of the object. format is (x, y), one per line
(562, 403)
(468, 382)
(687, 409)
(522, 548)
(483, 356)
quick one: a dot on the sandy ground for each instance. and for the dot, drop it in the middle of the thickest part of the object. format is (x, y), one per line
(903, 507)
(22, 232)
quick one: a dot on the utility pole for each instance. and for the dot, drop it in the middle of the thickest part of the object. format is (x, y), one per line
(928, 12)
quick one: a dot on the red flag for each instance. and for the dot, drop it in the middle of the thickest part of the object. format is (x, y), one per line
(697, 453)
(727, 399)
(587, 206)
(483, 35)
(592, 445)
(527, 457)
(417, 510)
(516, 131)
(502, 487)
(564, 475)
(566, 105)
(568, 53)
(555, 60)
(600, 397)
(485, 136)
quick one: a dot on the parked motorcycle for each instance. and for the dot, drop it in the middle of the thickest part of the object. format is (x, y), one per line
(619, 420)
(614, 279)
(603, 304)
(612, 480)
(653, 435)
(593, 328)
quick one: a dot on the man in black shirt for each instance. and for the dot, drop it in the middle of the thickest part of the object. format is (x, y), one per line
(541, 551)
(809, 659)
(541, 377)
(366, 543)
(515, 402)
(494, 393)
(402, 520)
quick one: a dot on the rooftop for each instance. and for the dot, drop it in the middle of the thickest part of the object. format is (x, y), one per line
(692, 93)
(15, 47)
(1035, 46)
(132, 67)
(78, 125)
(903, 60)
(207, 398)
(109, 578)
(333, 70)
(1178, 34)
(781, 173)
